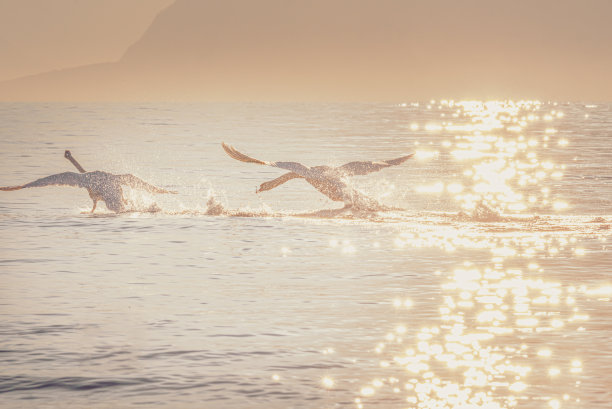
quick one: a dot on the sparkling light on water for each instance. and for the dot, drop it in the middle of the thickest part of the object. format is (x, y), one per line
(474, 355)
(498, 148)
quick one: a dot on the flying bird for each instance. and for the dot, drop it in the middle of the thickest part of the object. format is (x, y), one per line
(326, 179)
(101, 186)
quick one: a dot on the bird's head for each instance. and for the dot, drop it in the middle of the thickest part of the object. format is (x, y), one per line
(67, 154)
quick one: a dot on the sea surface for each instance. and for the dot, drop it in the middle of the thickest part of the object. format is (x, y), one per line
(488, 285)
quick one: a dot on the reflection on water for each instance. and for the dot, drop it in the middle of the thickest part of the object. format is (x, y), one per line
(483, 350)
(488, 287)
(501, 167)
(488, 348)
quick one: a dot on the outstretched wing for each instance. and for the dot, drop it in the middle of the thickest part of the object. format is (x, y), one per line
(296, 167)
(233, 153)
(138, 183)
(277, 182)
(363, 168)
(60, 179)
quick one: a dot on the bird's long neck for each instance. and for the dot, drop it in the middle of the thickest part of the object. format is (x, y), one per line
(75, 163)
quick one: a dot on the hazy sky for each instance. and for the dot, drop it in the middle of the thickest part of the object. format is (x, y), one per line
(334, 50)
(42, 35)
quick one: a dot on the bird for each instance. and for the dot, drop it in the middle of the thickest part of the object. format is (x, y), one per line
(101, 186)
(326, 179)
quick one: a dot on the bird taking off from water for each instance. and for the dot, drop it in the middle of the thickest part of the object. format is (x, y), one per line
(101, 186)
(326, 179)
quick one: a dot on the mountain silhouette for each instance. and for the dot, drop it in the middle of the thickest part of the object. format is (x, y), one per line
(336, 50)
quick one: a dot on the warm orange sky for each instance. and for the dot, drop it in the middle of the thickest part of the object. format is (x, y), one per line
(310, 50)
(42, 35)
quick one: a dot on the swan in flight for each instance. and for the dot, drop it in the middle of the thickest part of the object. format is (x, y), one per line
(326, 179)
(101, 186)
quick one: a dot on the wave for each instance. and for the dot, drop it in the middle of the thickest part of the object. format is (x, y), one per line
(72, 383)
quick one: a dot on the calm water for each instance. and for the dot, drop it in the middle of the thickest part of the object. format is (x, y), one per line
(270, 305)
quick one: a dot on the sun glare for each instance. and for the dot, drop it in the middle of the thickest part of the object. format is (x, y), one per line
(498, 147)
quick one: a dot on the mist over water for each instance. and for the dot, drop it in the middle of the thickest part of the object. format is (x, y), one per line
(488, 285)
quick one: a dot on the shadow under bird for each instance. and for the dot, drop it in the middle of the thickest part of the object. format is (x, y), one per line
(326, 179)
(101, 186)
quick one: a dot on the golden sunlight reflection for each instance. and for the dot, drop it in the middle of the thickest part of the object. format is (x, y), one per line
(498, 143)
(327, 382)
(487, 346)
(475, 356)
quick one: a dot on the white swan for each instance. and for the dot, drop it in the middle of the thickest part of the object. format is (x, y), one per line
(326, 179)
(101, 186)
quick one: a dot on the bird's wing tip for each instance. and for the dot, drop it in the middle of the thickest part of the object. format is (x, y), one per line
(10, 188)
(406, 157)
(229, 149)
(235, 154)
